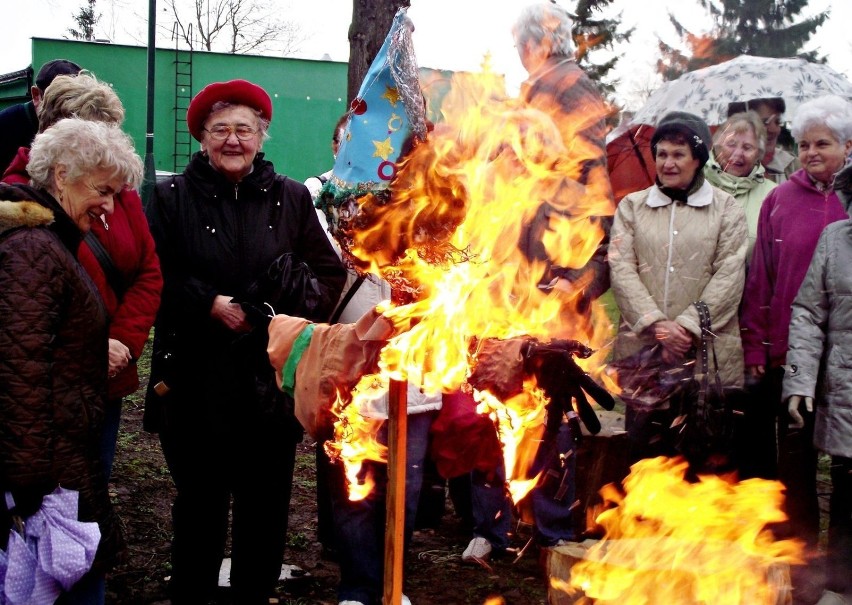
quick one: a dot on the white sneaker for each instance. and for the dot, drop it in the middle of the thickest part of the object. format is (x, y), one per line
(831, 598)
(479, 549)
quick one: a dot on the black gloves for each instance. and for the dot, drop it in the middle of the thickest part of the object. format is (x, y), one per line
(565, 383)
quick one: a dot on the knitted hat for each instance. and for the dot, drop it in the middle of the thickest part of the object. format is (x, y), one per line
(239, 92)
(51, 69)
(693, 128)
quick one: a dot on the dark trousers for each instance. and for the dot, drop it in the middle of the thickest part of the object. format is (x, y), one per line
(840, 526)
(247, 466)
(797, 466)
(331, 485)
(755, 437)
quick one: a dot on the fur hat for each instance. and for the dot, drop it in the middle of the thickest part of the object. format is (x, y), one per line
(694, 129)
(239, 92)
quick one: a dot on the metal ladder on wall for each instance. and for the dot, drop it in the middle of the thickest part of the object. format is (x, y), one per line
(183, 95)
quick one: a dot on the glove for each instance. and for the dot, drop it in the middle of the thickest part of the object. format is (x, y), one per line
(563, 381)
(499, 367)
(793, 409)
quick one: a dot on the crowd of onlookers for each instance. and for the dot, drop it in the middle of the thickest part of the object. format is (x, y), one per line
(736, 232)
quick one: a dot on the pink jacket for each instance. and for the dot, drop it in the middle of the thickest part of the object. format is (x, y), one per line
(790, 222)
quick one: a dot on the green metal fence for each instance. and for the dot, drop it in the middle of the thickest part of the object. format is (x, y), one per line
(307, 96)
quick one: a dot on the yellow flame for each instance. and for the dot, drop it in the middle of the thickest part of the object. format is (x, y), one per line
(669, 540)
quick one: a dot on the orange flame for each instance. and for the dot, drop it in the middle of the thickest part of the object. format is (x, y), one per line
(459, 235)
(672, 541)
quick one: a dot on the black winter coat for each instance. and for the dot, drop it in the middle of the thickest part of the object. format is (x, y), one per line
(53, 361)
(216, 237)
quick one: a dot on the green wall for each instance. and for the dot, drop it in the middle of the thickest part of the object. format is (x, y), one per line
(307, 96)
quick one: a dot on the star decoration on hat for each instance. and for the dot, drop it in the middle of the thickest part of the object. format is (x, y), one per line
(383, 149)
(392, 95)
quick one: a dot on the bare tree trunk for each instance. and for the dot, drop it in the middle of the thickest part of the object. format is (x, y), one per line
(371, 21)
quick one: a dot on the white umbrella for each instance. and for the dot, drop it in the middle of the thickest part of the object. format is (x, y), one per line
(707, 92)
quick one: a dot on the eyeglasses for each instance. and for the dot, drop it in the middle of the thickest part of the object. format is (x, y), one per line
(773, 120)
(222, 132)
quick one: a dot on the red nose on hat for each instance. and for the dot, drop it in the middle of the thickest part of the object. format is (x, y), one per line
(240, 92)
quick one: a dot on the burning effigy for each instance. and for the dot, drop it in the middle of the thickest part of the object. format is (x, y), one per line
(466, 231)
(467, 220)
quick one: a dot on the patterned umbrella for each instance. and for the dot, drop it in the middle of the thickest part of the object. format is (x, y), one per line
(707, 92)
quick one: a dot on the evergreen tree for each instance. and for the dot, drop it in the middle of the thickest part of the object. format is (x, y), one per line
(593, 32)
(764, 28)
(86, 20)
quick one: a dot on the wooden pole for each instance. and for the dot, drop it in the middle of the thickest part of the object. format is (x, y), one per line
(395, 520)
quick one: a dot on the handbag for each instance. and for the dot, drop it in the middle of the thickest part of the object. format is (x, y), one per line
(648, 382)
(704, 429)
(289, 286)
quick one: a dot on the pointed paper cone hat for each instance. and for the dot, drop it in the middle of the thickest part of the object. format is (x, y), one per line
(388, 110)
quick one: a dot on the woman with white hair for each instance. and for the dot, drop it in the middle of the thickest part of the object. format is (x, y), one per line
(791, 220)
(118, 254)
(53, 330)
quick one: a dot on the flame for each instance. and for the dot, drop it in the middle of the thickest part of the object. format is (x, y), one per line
(672, 541)
(355, 435)
(451, 236)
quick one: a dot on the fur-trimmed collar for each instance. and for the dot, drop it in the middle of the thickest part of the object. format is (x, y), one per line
(23, 214)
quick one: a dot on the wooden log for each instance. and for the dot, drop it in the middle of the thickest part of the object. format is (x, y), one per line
(558, 562)
(601, 459)
(395, 520)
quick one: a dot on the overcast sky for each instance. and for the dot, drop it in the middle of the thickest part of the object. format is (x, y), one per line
(449, 34)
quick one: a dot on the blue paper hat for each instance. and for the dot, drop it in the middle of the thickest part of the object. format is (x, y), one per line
(388, 110)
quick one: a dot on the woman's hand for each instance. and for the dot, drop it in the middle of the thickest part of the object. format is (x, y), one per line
(793, 409)
(674, 338)
(119, 357)
(230, 314)
(756, 371)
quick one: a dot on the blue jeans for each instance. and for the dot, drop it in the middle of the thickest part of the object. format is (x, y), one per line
(552, 497)
(361, 525)
(109, 436)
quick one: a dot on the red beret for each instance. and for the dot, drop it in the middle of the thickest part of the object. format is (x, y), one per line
(239, 92)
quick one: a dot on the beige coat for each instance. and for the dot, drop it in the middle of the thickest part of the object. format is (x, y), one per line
(665, 255)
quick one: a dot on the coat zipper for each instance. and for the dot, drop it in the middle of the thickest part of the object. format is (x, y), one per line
(669, 260)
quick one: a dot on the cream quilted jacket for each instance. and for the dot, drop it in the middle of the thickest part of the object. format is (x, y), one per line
(665, 255)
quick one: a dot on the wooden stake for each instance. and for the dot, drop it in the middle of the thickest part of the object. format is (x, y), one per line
(395, 521)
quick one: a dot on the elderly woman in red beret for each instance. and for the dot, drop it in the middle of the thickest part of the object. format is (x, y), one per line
(223, 230)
